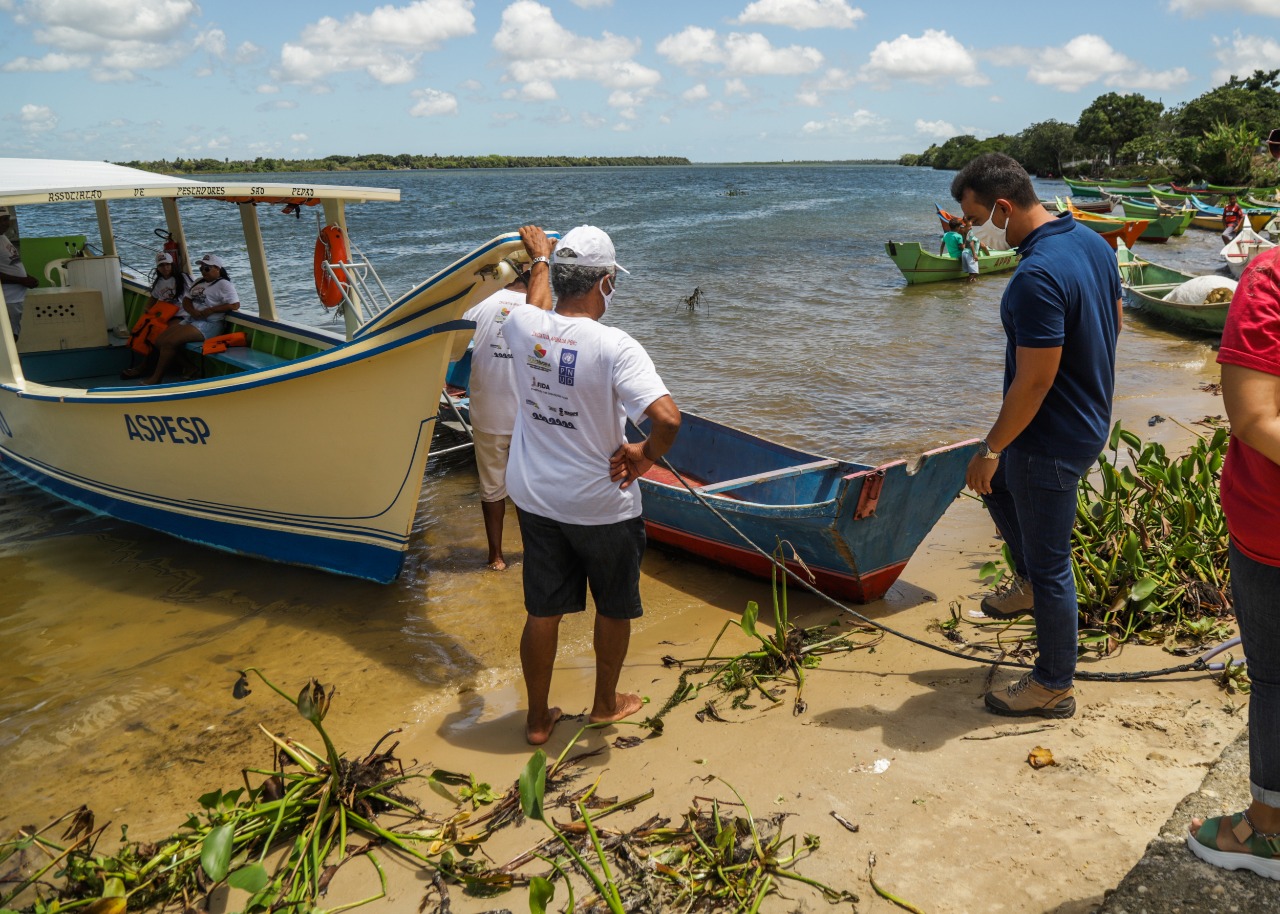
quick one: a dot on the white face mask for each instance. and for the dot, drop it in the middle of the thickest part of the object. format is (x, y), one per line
(607, 296)
(993, 237)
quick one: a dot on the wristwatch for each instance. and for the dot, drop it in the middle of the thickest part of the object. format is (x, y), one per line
(546, 260)
(984, 450)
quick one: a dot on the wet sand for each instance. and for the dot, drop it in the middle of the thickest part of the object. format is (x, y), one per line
(958, 820)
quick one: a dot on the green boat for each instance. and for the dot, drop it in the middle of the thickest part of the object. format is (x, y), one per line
(1158, 229)
(1140, 209)
(1146, 284)
(918, 265)
(1172, 197)
(1102, 188)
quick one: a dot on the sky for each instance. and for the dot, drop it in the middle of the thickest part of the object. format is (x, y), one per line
(710, 80)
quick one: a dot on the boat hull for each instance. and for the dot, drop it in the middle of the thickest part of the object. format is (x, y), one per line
(849, 529)
(920, 266)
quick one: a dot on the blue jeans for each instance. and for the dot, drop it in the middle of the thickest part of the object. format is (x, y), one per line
(1033, 502)
(1255, 590)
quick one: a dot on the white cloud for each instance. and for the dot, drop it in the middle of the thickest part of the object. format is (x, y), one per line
(539, 52)
(471, 85)
(843, 126)
(803, 14)
(299, 137)
(433, 103)
(386, 43)
(212, 40)
(137, 34)
(1243, 54)
(280, 104)
(809, 99)
(934, 57)
(37, 118)
(247, 53)
(696, 93)
(940, 129)
(738, 53)
(267, 89)
(1201, 7)
(1086, 59)
(592, 4)
(736, 87)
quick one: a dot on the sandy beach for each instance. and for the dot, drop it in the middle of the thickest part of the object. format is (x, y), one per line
(894, 741)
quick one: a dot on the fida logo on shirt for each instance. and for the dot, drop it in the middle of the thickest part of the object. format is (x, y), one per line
(568, 358)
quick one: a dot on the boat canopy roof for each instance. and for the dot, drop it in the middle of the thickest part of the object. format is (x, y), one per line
(27, 181)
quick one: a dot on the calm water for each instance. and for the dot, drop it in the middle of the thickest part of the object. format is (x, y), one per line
(119, 645)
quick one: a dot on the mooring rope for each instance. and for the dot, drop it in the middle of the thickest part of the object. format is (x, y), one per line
(1195, 666)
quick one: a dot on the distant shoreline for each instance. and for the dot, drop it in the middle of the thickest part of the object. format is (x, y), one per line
(447, 163)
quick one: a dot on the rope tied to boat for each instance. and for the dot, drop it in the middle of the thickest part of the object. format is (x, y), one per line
(1198, 665)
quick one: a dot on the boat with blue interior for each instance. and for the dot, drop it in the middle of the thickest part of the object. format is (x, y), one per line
(300, 444)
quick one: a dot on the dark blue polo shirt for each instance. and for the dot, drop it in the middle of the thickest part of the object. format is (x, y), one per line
(1064, 293)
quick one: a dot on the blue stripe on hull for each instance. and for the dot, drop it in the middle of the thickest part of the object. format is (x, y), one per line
(359, 560)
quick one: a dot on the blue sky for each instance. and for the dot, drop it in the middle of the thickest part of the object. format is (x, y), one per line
(712, 80)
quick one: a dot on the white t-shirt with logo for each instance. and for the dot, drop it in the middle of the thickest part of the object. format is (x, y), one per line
(578, 381)
(493, 382)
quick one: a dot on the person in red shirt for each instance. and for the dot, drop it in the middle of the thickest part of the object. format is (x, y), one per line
(1250, 359)
(1232, 219)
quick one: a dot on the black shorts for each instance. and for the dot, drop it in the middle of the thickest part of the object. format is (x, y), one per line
(560, 560)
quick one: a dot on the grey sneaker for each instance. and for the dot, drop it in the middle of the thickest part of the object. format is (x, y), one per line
(1011, 599)
(1028, 698)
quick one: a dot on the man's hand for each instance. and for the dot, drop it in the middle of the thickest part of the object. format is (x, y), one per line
(30, 282)
(536, 241)
(978, 476)
(628, 464)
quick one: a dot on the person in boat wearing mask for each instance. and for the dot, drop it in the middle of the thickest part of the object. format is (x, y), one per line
(204, 309)
(1061, 313)
(572, 473)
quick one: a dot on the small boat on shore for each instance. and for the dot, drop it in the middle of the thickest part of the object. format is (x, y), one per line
(1241, 249)
(1157, 229)
(1141, 209)
(921, 266)
(1147, 285)
(852, 526)
(298, 445)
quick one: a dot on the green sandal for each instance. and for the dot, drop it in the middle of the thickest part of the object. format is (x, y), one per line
(1264, 850)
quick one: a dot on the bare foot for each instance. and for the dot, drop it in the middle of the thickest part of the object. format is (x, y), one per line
(498, 564)
(537, 733)
(624, 705)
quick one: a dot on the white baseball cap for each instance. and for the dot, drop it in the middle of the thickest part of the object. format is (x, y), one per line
(586, 246)
(164, 257)
(211, 260)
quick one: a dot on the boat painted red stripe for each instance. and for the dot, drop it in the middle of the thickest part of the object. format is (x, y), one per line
(861, 589)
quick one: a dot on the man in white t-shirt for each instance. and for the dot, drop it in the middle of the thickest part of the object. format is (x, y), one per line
(493, 408)
(571, 470)
(12, 273)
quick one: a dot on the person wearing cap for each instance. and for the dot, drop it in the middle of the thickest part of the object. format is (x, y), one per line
(204, 310)
(168, 284)
(13, 274)
(493, 408)
(572, 472)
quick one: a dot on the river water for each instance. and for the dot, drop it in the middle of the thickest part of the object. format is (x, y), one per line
(119, 646)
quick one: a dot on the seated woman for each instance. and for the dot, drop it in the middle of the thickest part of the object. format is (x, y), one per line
(168, 284)
(204, 308)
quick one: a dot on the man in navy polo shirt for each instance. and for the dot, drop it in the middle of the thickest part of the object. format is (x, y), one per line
(1061, 314)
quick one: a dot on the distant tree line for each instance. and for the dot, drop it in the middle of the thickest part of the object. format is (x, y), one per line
(380, 162)
(1215, 138)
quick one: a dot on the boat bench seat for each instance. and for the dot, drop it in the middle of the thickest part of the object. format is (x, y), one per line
(716, 488)
(240, 357)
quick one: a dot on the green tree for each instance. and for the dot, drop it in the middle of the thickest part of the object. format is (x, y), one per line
(1113, 120)
(1224, 155)
(1046, 146)
(1253, 101)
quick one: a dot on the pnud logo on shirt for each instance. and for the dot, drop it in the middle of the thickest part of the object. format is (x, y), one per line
(568, 359)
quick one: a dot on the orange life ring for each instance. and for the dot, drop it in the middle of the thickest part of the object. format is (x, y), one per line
(331, 247)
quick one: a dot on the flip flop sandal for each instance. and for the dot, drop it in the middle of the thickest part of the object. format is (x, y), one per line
(1264, 852)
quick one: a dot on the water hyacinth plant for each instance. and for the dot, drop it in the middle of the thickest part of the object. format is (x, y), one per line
(1149, 550)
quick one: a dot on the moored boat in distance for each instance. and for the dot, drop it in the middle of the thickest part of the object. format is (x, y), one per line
(1147, 285)
(300, 445)
(921, 266)
(853, 526)
(1157, 229)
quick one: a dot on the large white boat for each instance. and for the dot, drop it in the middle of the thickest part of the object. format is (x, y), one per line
(306, 446)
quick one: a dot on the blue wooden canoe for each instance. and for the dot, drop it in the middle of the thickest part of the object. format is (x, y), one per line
(854, 526)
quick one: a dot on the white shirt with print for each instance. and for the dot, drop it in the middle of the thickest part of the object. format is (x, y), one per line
(493, 381)
(578, 382)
